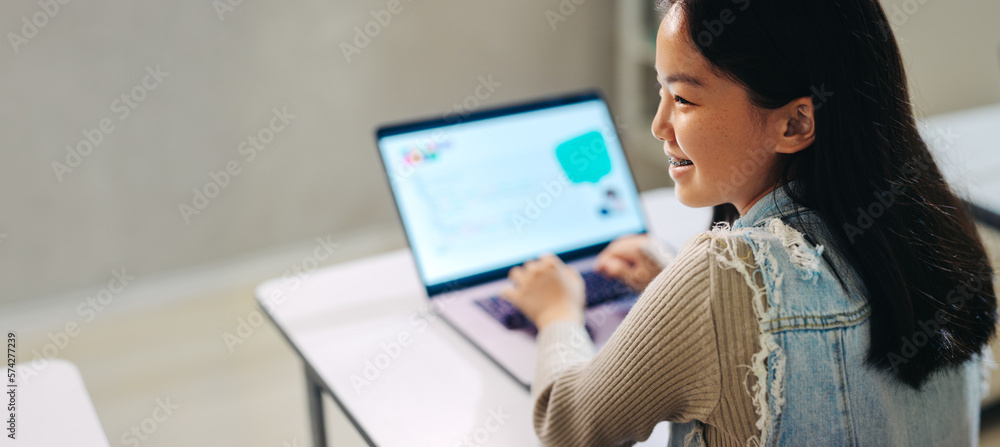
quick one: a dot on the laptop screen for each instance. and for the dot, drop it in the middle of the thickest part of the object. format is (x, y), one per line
(482, 193)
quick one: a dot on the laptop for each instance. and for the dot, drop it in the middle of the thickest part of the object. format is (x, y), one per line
(480, 193)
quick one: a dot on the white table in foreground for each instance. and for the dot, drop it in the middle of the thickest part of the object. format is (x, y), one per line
(402, 376)
(53, 408)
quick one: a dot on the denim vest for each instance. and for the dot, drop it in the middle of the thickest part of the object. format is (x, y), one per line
(813, 386)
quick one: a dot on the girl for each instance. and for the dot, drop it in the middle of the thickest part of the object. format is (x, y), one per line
(849, 302)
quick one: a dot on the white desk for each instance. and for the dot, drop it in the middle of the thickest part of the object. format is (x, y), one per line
(965, 144)
(438, 389)
(53, 408)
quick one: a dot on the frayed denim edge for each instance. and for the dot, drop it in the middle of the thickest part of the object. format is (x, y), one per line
(767, 397)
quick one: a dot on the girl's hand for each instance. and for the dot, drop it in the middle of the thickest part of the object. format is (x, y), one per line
(546, 290)
(626, 260)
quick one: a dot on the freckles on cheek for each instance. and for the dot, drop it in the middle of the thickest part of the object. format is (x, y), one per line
(700, 142)
(718, 136)
(712, 153)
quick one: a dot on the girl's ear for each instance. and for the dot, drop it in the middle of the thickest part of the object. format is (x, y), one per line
(797, 125)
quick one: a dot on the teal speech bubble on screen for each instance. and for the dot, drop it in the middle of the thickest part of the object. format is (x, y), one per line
(584, 158)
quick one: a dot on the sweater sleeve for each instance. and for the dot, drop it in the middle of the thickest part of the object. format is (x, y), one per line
(660, 364)
(660, 251)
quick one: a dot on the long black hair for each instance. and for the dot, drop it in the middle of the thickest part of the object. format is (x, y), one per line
(869, 174)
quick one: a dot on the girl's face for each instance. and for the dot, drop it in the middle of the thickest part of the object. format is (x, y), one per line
(721, 145)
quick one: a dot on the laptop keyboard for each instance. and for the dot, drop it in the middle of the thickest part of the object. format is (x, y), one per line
(599, 289)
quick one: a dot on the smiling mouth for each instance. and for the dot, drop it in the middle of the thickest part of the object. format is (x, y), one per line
(679, 162)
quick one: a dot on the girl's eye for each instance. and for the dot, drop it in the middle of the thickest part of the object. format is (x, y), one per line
(682, 101)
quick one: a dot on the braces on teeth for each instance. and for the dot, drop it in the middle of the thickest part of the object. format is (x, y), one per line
(679, 162)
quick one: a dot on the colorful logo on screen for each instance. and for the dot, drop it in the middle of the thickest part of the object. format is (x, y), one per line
(424, 152)
(584, 158)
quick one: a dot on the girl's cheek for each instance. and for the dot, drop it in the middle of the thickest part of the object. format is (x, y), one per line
(690, 141)
(682, 134)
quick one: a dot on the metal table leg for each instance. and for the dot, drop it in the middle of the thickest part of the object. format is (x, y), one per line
(314, 394)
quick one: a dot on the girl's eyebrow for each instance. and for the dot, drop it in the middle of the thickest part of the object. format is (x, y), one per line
(684, 78)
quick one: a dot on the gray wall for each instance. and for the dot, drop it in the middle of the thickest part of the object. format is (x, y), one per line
(120, 206)
(951, 50)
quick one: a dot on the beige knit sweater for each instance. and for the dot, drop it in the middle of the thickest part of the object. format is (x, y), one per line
(681, 354)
